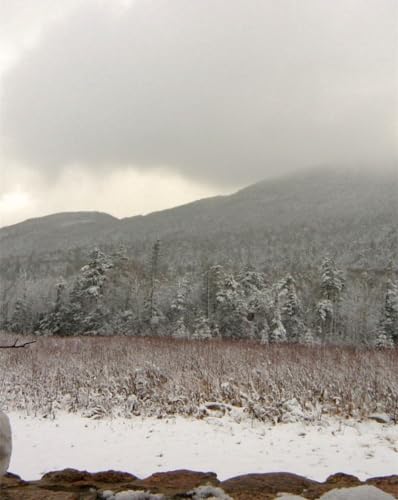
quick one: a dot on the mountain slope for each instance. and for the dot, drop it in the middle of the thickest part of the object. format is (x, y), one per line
(53, 232)
(287, 221)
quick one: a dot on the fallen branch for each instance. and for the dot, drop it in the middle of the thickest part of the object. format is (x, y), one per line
(15, 345)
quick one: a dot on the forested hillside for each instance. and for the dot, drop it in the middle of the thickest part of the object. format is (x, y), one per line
(310, 258)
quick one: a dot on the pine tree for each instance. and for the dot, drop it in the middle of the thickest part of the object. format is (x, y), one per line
(213, 283)
(265, 333)
(202, 329)
(53, 322)
(179, 305)
(388, 328)
(231, 312)
(178, 311)
(278, 332)
(291, 310)
(383, 340)
(308, 337)
(153, 282)
(180, 330)
(332, 281)
(332, 285)
(21, 320)
(22, 317)
(87, 312)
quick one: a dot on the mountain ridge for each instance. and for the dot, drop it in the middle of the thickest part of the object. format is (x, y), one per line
(309, 211)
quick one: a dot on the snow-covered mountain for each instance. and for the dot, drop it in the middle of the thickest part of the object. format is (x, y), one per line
(286, 221)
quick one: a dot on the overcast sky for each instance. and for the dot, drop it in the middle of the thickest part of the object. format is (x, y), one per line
(133, 106)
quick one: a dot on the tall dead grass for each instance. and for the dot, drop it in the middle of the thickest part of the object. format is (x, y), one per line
(124, 376)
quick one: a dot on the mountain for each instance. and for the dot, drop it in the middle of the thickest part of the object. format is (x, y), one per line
(53, 232)
(286, 222)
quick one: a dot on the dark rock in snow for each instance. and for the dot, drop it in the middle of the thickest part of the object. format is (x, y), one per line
(71, 484)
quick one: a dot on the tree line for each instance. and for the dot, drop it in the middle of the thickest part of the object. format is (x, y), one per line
(115, 294)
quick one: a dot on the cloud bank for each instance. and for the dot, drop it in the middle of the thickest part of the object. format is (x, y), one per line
(220, 91)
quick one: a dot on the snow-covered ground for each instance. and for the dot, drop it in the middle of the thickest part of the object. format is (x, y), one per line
(143, 446)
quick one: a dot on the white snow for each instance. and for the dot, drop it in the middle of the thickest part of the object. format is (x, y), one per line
(144, 446)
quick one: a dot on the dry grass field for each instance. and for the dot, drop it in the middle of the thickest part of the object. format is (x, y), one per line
(125, 376)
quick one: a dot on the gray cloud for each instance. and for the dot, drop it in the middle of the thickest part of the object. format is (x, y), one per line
(218, 90)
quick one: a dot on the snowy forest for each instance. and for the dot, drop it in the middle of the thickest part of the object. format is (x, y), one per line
(115, 294)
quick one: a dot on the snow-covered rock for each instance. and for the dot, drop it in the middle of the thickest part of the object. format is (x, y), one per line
(5, 443)
(381, 418)
(364, 492)
(357, 493)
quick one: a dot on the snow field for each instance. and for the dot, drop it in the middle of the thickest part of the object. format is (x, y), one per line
(143, 446)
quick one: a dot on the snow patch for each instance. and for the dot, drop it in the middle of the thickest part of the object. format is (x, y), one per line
(314, 450)
(209, 492)
(131, 495)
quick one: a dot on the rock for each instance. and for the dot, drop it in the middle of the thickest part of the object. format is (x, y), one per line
(34, 493)
(364, 492)
(287, 496)
(12, 480)
(74, 480)
(264, 486)
(72, 484)
(65, 476)
(113, 477)
(177, 482)
(5, 443)
(338, 480)
(342, 479)
(389, 484)
(381, 418)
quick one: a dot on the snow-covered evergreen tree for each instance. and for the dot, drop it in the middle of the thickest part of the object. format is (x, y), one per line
(22, 319)
(382, 339)
(232, 313)
(213, 283)
(332, 280)
(387, 332)
(278, 332)
(332, 285)
(308, 337)
(202, 329)
(264, 333)
(152, 309)
(291, 310)
(53, 323)
(179, 304)
(85, 311)
(180, 331)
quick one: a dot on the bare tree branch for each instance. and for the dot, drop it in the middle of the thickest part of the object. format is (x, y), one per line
(15, 345)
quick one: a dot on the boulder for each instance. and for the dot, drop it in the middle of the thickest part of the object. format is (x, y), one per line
(72, 484)
(364, 492)
(5, 443)
(264, 486)
(75, 480)
(389, 484)
(177, 482)
(381, 418)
